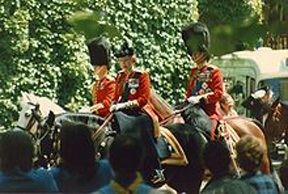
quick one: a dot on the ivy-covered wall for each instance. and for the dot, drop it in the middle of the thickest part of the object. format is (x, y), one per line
(154, 29)
(41, 53)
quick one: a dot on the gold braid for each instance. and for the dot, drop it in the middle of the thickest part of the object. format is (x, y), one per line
(94, 91)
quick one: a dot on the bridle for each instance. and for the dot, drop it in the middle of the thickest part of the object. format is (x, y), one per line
(35, 115)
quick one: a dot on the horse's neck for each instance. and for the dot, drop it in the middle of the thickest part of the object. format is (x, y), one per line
(46, 105)
(161, 106)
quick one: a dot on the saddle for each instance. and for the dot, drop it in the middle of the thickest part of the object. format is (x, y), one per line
(169, 149)
(167, 146)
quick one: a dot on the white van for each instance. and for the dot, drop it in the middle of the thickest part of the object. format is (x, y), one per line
(245, 71)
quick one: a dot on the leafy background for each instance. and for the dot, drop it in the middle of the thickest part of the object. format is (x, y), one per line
(43, 43)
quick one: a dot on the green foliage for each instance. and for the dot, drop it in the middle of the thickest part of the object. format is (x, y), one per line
(40, 53)
(233, 23)
(154, 28)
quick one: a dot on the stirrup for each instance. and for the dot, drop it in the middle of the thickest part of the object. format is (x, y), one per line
(159, 176)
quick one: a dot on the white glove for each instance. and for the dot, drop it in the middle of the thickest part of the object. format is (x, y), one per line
(116, 107)
(193, 99)
(258, 94)
(85, 109)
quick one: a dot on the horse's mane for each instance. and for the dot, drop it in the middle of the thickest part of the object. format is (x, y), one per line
(162, 107)
(45, 104)
(198, 119)
(89, 119)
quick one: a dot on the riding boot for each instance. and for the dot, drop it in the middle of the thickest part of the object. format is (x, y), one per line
(158, 174)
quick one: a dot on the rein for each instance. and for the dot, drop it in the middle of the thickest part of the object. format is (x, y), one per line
(176, 112)
(102, 127)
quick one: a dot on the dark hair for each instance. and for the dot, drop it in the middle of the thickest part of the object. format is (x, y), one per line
(217, 158)
(125, 154)
(77, 148)
(99, 51)
(199, 32)
(16, 150)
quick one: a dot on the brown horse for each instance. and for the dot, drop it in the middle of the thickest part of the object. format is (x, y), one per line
(245, 126)
(241, 125)
(276, 125)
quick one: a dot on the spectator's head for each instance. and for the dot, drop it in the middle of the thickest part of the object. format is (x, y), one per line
(217, 158)
(125, 155)
(16, 151)
(126, 56)
(249, 153)
(196, 37)
(99, 51)
(76, 147)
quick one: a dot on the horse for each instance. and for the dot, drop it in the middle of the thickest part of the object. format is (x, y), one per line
(240, 124)
(182, 177)
(188, 177)
(276, 125)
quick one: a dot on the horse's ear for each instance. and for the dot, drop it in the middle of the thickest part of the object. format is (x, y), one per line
(23, 99)
(51, 118)
(37, 106)
(275, 103)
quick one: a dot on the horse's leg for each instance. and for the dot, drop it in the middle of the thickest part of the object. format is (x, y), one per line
(188, 178)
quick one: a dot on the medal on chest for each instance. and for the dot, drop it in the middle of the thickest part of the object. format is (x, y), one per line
(132, 91)
(133, 84)
(205, 76)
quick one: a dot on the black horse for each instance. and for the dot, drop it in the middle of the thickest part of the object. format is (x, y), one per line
(183, 178)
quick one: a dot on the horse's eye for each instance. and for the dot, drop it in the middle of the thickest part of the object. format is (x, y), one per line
(28, 113)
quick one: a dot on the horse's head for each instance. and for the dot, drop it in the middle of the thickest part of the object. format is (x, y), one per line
(276, 122)
(36, 112)
(29, 117)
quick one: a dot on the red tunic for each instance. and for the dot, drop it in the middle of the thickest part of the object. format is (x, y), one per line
(208, 79)
(134, 87)
(137, 87)
(104, 91)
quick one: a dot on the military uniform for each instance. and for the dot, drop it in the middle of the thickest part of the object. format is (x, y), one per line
(205, 80)
(104, 91)
(136, 89)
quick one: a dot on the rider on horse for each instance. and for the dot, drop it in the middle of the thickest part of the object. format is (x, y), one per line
(259, 102)
(206, 81)
(104, 87)
(133, 98)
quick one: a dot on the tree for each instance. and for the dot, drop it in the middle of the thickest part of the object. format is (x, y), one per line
(233, 23)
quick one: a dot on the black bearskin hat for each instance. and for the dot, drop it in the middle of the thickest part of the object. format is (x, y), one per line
(196, 37)
(99, 51)
(125, 50)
